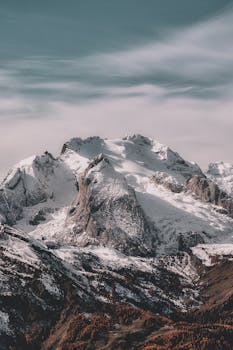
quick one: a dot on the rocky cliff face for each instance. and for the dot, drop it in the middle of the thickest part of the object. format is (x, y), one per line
(106, 212)
(208, 191)
(115, 244)
(222, 174)
(167, 181)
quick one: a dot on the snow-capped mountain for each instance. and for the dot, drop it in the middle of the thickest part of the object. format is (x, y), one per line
(110, 233)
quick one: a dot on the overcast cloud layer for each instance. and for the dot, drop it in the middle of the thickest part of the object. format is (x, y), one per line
(120, 67)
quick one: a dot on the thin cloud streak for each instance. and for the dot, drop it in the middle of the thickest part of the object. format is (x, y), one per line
(202, 54)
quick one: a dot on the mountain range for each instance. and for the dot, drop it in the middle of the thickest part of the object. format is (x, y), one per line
(116, 244)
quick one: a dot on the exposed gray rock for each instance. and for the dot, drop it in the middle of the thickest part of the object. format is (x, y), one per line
(38, 218)
(167, 181)
(188, 240)
(208, 191)
(222, 174)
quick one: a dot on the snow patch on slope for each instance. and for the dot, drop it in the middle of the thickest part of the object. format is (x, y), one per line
(50, 285)
(207, 253)
(19, 250)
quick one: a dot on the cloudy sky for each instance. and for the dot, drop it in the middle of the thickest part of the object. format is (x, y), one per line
(163, 68)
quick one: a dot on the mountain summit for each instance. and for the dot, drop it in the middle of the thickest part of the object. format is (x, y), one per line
(111, 245)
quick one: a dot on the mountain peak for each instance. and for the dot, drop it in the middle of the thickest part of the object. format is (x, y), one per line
(106, 212)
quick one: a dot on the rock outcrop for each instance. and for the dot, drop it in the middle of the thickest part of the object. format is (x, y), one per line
(222, 174)
(106, 212)
(167, 181)
(208, 191)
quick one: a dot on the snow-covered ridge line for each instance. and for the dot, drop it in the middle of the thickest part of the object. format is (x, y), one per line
(38, 196)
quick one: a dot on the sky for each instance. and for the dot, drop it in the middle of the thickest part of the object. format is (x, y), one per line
(161, 68)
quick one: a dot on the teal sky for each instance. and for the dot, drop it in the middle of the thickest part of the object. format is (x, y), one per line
(62, 28)
(163, 68)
